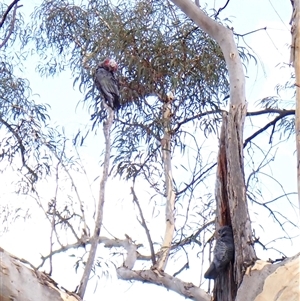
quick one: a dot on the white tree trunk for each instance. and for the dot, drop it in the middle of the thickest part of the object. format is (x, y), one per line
(263, 282)
(18, 282)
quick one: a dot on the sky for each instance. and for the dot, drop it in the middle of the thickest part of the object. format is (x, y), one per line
(271, 46)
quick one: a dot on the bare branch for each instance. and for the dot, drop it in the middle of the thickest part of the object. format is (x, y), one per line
(269, 111)
(143, 223)
(9, 8)
(22, 148)
(194, 180)
(282, 114)
(185, 289)
(222, 8)
(184, 267)
(250, 32)
(98, 223)
(11, 27)
(197, 116)
(76, 245)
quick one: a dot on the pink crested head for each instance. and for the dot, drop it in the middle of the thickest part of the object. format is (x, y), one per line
(110, 64)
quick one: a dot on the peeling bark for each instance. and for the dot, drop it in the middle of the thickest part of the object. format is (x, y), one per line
(295, 60)
(230, 186)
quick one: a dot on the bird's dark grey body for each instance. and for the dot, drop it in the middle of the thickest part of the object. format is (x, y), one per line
(107, 84)
(223, 253)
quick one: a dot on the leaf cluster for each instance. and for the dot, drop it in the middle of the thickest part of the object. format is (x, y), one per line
(158, 49)
(23, 127)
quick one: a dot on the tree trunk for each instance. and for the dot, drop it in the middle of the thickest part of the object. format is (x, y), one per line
(295, 60)
(232, 208)
(18, 282)
(264, 281)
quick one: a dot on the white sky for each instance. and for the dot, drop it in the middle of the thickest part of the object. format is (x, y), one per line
(271, 47)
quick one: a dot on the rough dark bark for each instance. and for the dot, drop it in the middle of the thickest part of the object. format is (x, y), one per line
(295, 60)
(231, 202)
(225, 282)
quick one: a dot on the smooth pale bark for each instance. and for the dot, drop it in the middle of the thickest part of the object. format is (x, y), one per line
(186, 289)
(18, 282)
(98, 223)
(163, 255)
(267, 281)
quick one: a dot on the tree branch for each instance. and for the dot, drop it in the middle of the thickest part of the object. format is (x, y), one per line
(185, 289)
(9, 8)
(169, 186)
(222, 8)
(282, 114)
(98, 223)
(144, 225)
(12, 24)
(22, 148)
(196, 179)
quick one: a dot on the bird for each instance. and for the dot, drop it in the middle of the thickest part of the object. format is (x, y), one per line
(223, 253)
(106, 82)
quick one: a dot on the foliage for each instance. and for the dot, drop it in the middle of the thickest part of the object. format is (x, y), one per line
(159, 51)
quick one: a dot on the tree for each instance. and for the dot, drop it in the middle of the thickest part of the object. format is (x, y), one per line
(170, 88)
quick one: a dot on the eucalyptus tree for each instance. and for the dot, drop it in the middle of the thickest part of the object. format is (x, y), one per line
(174, 85)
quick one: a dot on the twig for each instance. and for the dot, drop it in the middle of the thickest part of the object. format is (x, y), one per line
(135, 200)
(192, 238)
(9, 8)
(11, 27)
(22, 148)
(253, 31)
(86, 228)
(195, 180)
(179, 124)
(61, 250)
(282, 114)
(186, 266)
(222, 8)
